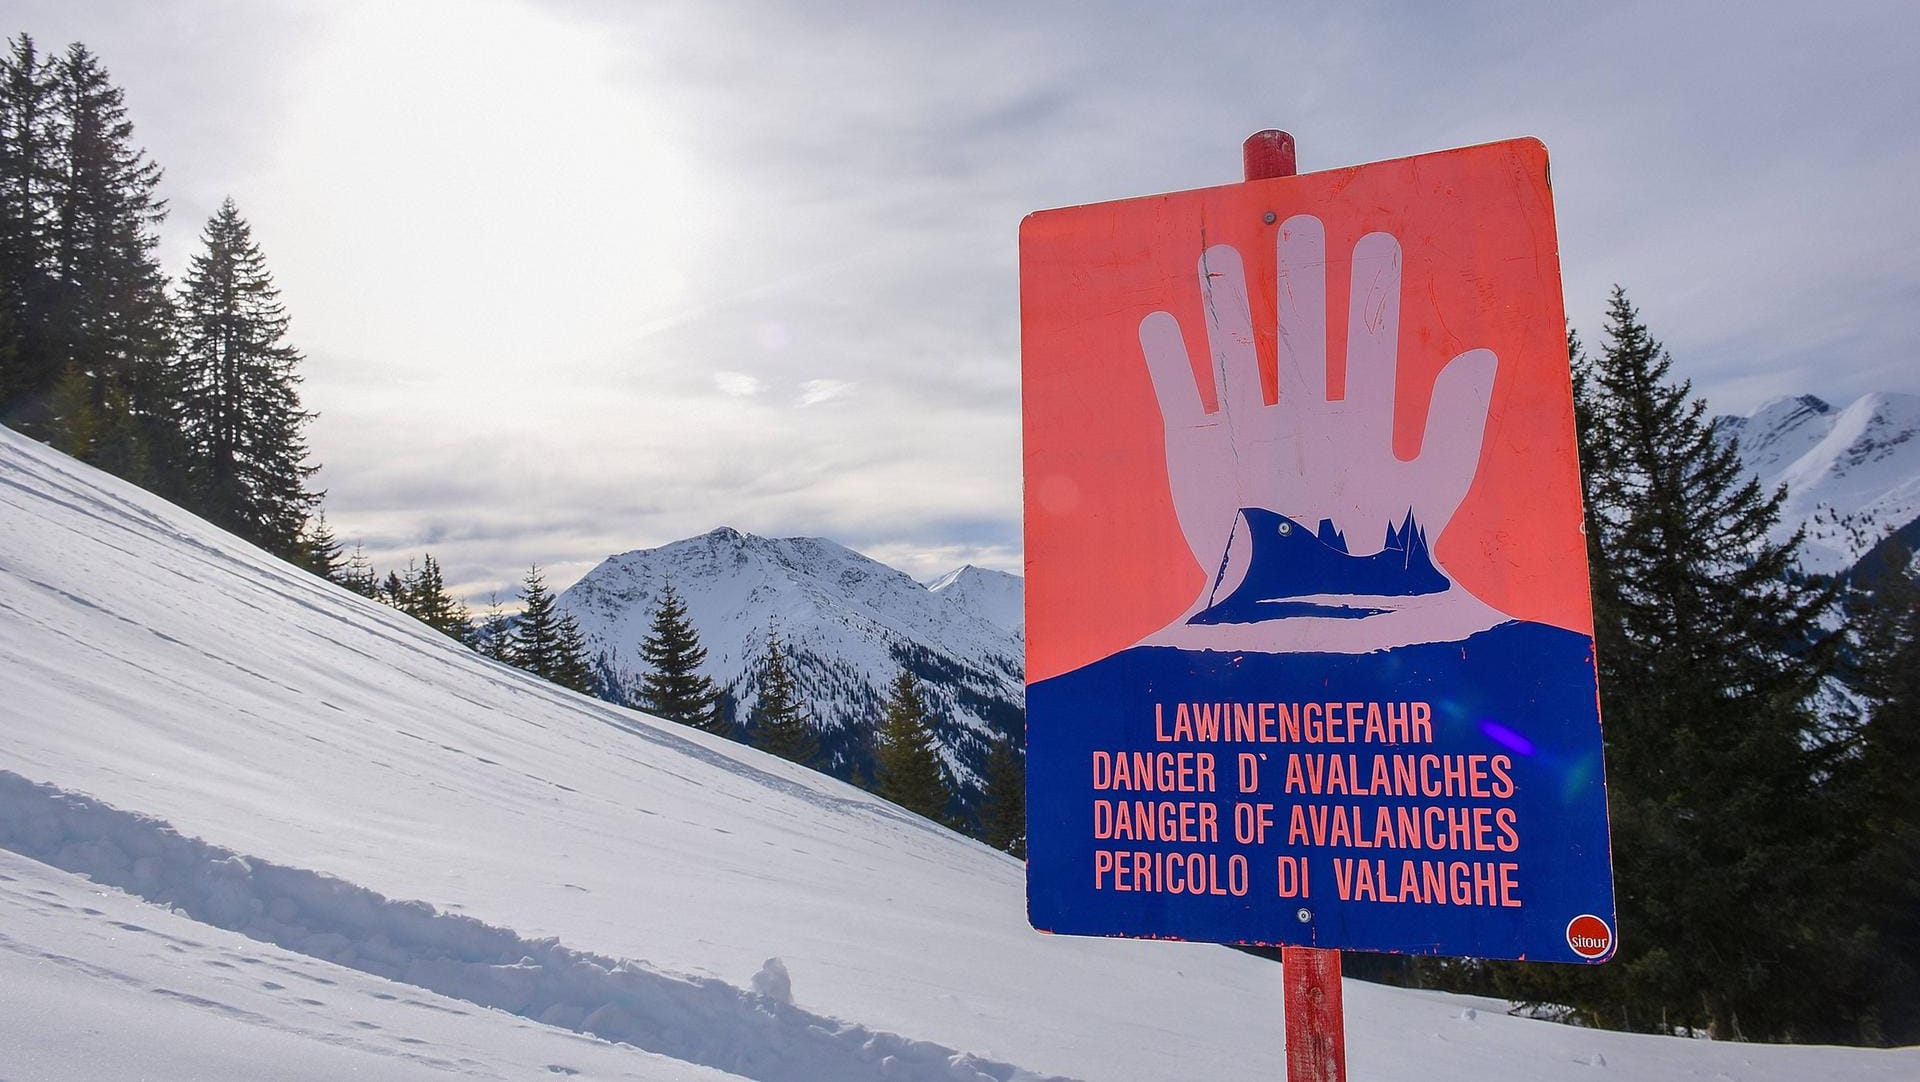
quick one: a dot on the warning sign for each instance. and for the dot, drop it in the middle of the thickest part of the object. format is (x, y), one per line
(1310, 651)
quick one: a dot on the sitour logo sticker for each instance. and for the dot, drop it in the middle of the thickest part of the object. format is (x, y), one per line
(1589, 936)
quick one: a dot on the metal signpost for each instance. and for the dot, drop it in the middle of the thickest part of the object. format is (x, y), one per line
(1310, 646)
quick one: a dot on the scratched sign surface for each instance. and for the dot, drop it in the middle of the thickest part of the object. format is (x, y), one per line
(1310, 651)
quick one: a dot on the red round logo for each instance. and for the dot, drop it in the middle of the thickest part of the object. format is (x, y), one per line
(1589, 936)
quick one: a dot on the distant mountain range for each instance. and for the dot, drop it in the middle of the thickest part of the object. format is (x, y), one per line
(1852, 474)
(850, 623)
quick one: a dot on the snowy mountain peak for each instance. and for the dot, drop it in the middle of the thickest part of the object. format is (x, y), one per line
(850, 623)
(947, 580)
(995, 596)
(1791, 405)
(1852, 474)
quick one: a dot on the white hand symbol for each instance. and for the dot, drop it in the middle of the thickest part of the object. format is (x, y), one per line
(1309, 458)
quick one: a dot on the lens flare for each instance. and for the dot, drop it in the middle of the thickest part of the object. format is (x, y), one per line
(1506, 737)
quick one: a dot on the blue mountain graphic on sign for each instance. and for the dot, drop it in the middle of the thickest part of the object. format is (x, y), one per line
(1278, 559)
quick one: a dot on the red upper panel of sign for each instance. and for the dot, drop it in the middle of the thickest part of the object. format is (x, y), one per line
(1107, 560)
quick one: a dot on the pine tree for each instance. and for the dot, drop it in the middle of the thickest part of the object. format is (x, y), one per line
(29, 174)
(400, 587)
(908, 770)
(358, 574)
(110, 315)
(673, 687)
(1003, 807)
(79, 222)
(494, 636)
(428, 601)
(779, 724)
(241, 416)
(320, 550)
(1883, 802)
(71, 416)
(548, 642)
(1709, 652)
(575, 666)
(536, 637)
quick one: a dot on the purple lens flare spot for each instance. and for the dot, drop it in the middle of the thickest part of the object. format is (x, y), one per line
(1506, 737)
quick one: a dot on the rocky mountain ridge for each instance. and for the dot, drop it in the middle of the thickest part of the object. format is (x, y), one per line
(1852, 473)
(849, 623)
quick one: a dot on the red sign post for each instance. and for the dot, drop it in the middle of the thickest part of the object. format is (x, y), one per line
(1316, 1024)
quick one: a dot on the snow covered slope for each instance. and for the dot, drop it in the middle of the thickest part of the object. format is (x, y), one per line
(851, 623)
(360, 831)
(1852, 475)
(994, 596)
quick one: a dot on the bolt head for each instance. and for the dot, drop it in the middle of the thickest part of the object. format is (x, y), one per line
(1304, 914)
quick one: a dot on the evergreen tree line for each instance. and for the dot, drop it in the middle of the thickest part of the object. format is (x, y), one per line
(542, 639)
(1766, 856)
(190, 392)
(908, 768)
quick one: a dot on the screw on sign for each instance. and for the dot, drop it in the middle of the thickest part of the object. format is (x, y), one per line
(1303, 519)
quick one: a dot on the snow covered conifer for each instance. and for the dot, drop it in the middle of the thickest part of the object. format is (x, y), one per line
(779, 721)
(673, 687)
(240, 415)
(908, 770)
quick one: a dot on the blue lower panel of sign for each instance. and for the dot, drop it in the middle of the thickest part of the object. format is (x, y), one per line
(1442, 798)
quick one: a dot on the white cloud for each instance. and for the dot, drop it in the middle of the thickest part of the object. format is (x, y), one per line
(738, 384)
(816, 391)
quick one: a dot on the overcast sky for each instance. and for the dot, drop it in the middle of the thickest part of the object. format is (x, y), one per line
(578, 278)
